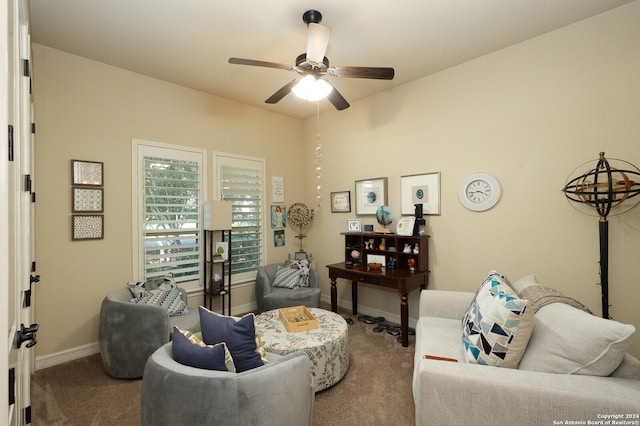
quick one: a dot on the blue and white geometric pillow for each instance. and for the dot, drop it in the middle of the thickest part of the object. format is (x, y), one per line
(497, 326)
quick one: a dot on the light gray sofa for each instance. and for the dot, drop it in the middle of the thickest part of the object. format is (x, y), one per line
(129, 333)
(456, 393)
(278, 393)
(269, 297)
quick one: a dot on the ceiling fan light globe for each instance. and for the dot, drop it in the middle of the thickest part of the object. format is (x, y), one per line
(311, 89)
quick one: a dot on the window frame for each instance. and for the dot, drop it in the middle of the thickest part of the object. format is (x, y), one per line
(140, 149)
(221, 159)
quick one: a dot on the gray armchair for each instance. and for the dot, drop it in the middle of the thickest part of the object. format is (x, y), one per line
(269, 297)
(278, 393)
(129, 333)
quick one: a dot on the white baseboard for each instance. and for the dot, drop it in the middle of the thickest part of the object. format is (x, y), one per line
(72, 354)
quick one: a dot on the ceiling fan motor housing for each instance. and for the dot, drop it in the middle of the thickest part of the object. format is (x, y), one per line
(312, 17)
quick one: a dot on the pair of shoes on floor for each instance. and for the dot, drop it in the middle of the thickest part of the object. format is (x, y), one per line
(370, 320)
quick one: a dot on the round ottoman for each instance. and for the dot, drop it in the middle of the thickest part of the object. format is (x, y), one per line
(326, 346)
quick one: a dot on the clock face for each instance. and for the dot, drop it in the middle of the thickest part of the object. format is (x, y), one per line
(479, 192)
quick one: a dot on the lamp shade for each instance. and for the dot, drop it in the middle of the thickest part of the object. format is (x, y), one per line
(217, 215)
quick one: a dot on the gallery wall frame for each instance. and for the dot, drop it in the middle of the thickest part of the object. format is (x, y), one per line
(87, 173)
(87, 200)
(420, 189)
(341, 202)
(370, 195)
(87, 227)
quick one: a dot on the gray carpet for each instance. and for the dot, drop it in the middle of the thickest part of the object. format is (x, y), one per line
(375, 390)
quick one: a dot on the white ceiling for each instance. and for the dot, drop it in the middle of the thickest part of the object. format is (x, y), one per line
(188, 42)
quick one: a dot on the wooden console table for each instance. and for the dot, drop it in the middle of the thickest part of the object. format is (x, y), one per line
(402, 280)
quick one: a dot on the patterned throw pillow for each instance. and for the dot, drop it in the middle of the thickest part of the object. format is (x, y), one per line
(497, 326)
(239, 334)
(189, 350)
(295, 274)
(168, 299)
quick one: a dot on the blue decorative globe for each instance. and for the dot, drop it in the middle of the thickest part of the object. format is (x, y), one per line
(383, 214)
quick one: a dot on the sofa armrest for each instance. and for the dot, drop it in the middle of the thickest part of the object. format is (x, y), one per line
(449, 393)
(444, 304)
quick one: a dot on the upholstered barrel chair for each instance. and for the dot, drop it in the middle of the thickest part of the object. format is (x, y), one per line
(269, 297)
(129, 333)
(278, 393)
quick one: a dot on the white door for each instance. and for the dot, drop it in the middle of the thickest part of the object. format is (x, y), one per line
(16, 214)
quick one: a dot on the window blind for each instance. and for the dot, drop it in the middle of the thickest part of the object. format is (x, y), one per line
(171, 218)
(242, 186)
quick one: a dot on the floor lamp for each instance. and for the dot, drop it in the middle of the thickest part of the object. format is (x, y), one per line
(603, 189)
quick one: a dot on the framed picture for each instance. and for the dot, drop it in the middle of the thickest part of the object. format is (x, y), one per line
(278, 238)
(370, 194)
(353, 225)
(341, 202)
(87, 173)
(88, 200)
(278, 216)
(420, 189)
(87, 227)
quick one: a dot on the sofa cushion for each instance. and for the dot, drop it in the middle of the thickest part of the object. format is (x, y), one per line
(238, 333)
(571, 341)
(497, 326)
(189, 349)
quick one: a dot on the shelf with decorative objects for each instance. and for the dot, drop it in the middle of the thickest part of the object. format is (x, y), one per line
(392, 251)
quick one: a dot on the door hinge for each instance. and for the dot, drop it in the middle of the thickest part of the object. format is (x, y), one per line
(27, 334)
(33, 266)
(27, 415)
(27, 183)
(27, 293)
(26, 68)
(10, 142)
(33, 197)
(12, 386)
(33, 128)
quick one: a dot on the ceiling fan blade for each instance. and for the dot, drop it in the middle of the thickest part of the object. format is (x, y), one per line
(241, 61)
(317, 42)
(379, 73)
(282, 92)
(337, 99)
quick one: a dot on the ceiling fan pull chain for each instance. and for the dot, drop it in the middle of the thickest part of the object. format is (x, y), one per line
(318, 159)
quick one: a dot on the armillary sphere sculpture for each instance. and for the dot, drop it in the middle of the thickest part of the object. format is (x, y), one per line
(603, 189)
(300, 215)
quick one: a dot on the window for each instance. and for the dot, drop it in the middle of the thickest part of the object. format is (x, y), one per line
(167, 194)
(240, 181)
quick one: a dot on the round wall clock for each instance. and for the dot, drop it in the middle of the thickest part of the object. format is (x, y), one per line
(479, 192)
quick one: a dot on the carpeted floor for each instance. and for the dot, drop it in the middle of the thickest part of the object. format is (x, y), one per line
(376, 389)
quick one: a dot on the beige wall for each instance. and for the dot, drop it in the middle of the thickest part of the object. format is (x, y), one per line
(529, 114)
(89, 111)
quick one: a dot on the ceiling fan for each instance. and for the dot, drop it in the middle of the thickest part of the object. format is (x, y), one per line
(313, 67)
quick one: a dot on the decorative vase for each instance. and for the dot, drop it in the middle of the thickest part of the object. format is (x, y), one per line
(383, 244)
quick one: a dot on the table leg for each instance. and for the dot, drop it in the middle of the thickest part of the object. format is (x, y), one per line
(354, 297)
(404, 318)
(334, 296)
